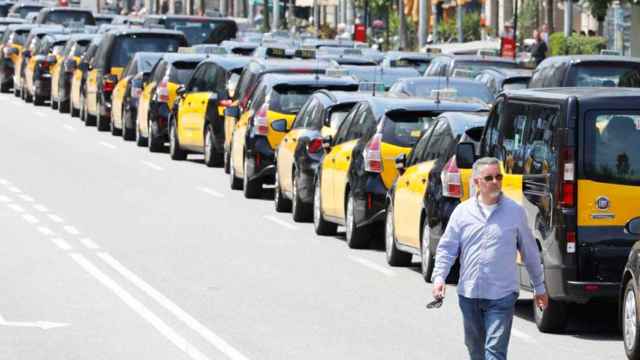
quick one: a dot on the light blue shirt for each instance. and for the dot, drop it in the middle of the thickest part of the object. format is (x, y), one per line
(487, 247)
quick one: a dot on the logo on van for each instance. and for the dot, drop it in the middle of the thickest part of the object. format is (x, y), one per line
(602, 203)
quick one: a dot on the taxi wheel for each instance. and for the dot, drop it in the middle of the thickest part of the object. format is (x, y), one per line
(395, 257)
(426, 258)
(211, 156)
(140, 140)
(5, 88)
(128, 134)
(357, 236)
(553, 318)
(154, 141)
(27, 97)
(174, 145)
(227, 162)
(16, 92)
(63, 106)
(630, 323)
(38, 100)
(53, 104)
(282, 204)
(320, 225)
(235, 182)
(301, 211)
(102, 123)
(252, 188)
(115, 131)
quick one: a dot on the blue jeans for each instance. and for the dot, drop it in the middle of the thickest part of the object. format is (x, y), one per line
(487, 326)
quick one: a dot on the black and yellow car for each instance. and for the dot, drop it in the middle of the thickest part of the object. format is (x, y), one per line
(359, 168)
(197, 29)
(12, 45)
(197, 120)
(273, 107)
(158, 97)
(112, 55)
(37, 74)
(23, 8)
(62, 72)
(428, 189)
(124, 101)
(77, 95)
(300, 152)
(32, 44)
(571, 158)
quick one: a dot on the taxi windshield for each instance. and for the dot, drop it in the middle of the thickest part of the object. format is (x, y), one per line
(613, 148)
(620, 74)
(196, 31)
(404, 128)
(127, 46)
(471, 69)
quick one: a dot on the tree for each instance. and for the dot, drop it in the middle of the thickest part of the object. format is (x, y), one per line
(527, 19)
(599, 12)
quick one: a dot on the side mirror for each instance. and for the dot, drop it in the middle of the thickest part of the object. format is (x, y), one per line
(232, 111)
(84, 66)
(401, 163)
(279, 125)
(327, 141)
(465, 155)
(181, 90)
(26, 53)
(69, 65)
(52, 59)
(633, 227)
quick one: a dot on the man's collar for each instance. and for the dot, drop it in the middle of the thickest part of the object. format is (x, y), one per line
(497, 202)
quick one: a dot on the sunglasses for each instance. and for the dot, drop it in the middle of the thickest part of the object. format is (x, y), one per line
(435, 304)
(489, 178)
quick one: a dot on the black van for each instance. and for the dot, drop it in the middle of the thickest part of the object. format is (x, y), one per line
(587, 71)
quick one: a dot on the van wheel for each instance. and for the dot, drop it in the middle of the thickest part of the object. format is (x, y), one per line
(235, 182)
(320, 225)
(301, 211)
(395, 257)
(553, 319)
(154, 141)
(427, 260)
(630, 333)
(252, 187)
(175, 152)
(282, 204)
(357, 236)
(211, 156)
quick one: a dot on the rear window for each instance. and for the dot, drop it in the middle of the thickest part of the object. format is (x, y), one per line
(470, 69)
(468, 90)
(404, 128)
(181, 71)
(608, 75)
(196, 31)
(19, 37)
(419, 64)
(69, 18)
(24, 10)
(288, 99)
(126, 46)
(515, 84)
(613, 147)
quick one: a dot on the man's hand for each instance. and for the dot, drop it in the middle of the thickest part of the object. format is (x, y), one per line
(542, 300)
(439, 289)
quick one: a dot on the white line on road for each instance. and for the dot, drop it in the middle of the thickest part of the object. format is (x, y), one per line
(26, 198)
(522, 336)
(55, 218)
(89, 244)
(14, 189)
(40, 207)
(69, 127)
(194, 324)
(63, 245)
(139, 308)
(71, 230)
(152, 165)
(45, 230)
(4, 198)
(211, 192)
(280, 222)
(15, 207)
(30, 218)
(373, 266)
(107, 145)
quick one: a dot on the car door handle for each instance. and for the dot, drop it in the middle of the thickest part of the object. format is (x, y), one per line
(407, 182)
(286, 140)
(189, 103)
(294, 140)
(333, 159)
(202, 102)
(348, 158)
(424, 180)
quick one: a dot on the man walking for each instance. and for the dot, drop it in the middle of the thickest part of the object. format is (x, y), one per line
(486, 232)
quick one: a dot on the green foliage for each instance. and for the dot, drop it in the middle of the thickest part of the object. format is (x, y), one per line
(447, 30)
(527, 19)
(575, 44)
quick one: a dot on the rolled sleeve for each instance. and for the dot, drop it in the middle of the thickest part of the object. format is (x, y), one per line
(530, 254)
(448, 249)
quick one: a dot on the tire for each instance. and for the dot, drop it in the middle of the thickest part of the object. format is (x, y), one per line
(553, 319)
(281, 203)
(53, 104)
(27, 97)
(320, 225)
(16, 92)
(38, 100)
(5, 88)
(174, 144)
(227, 162)
(252, 187)
(427, 260)
(114, 131)
(63, 106)
(300, 211)
(154, 141)
(127, 133)
(395, 257)
(235, 182)
(140, 140)
(357, 237)
(212, 158)
(102, 123)
(630, 323)
(89, 120)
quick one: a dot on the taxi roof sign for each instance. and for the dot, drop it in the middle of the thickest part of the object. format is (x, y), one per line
(447, 93)
(305, 53)
(371, 86)
(334, 72)
(276, 52)
(186, 50)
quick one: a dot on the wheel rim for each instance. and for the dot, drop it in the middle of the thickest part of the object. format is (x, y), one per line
(294, 193)
(245, 178)
(207, 145)
(277, 194)
(316, 204)
(172, 139)
(630, 319)
(424, 251)
(349, 222)
(389, 231)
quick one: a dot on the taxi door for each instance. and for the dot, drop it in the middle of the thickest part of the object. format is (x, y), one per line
(193, 122)
(28, 74)
(92, 91)
(408, 200)
(117, 98)
(237, 142)
(143, 107)
(287, 148)
(75, 88)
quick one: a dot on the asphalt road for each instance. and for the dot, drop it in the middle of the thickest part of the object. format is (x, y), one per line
(111, 252)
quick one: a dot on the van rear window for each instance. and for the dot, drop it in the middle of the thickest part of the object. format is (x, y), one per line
(606, 74)
(126, 46)
(613, 148)
(404, 128)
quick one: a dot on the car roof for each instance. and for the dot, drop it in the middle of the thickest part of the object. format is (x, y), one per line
(306, 79)
(142, 31)
(228, 62)
(80, 37)
(280, 64)
(66, 9)
(444, 80)
(394, 55)
(462, 121)
(186, 17)
(330, 98)
(591, 58)
(174, 57)
(13, 27)
(496, 59)
(384, 104)
(581, 93)
(508, 73)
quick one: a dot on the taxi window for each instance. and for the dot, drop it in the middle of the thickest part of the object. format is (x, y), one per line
(612, 147)
(18, 37)
(131, 69)
(24, 10)
(69, 18)
(288, 99)
(419, 64)
(57, 49)
(180, 71)
(126, 46)
(336, 115)
(343, 129)
(303, 116)
(475, 67)
(79, 48)
(607, 75)
(403, 128)
(421, 150)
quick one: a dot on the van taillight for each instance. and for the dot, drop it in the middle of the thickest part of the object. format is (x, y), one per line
(567, 184)
(314, 146)
(163, 90)
(450, 176)
(571, 242)
(372, 154)
(261, 125)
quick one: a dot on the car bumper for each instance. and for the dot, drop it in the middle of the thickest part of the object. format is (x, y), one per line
(370, 200)
(261, 160)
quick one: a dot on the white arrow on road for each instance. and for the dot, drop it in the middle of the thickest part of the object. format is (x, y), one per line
(44, 325)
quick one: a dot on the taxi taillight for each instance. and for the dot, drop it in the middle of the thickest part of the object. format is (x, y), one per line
(163, 90)
(314, 146)
(260, 122)
(226, 103)
(373, 155)
(108, 84)
(450, 176)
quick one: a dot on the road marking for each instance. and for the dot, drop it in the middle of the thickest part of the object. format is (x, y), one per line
(194, 324)
(139, 308)
(40, 207)
(280, 222)
(4, 198)
(152, 165)
(41, 114)
(373, 266)
(30, 218)
(63, 245)
(44, 325)
(55, 218)
(71, 230)
(16, 208)
(107, 145)
(69, 127)
(522, 336)
(45, 230)
(26, 198)
(89, 244)
(14, 189)
(5, 182)
(211, 192)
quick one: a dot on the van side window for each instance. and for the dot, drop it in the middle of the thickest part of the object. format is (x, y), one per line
(541, 152)
(511, 142)
(491, 130)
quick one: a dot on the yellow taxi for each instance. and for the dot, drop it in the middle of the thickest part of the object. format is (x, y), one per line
(77, 95)
(197, 124)
(359, 168)
(37, 73)
(13, 42)
(62, 71)
(273, 107)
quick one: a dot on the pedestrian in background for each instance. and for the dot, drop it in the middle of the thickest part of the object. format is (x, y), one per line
(539, 49)
(485, 232)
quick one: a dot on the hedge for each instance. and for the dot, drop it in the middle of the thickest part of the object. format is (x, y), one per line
(575, 44)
